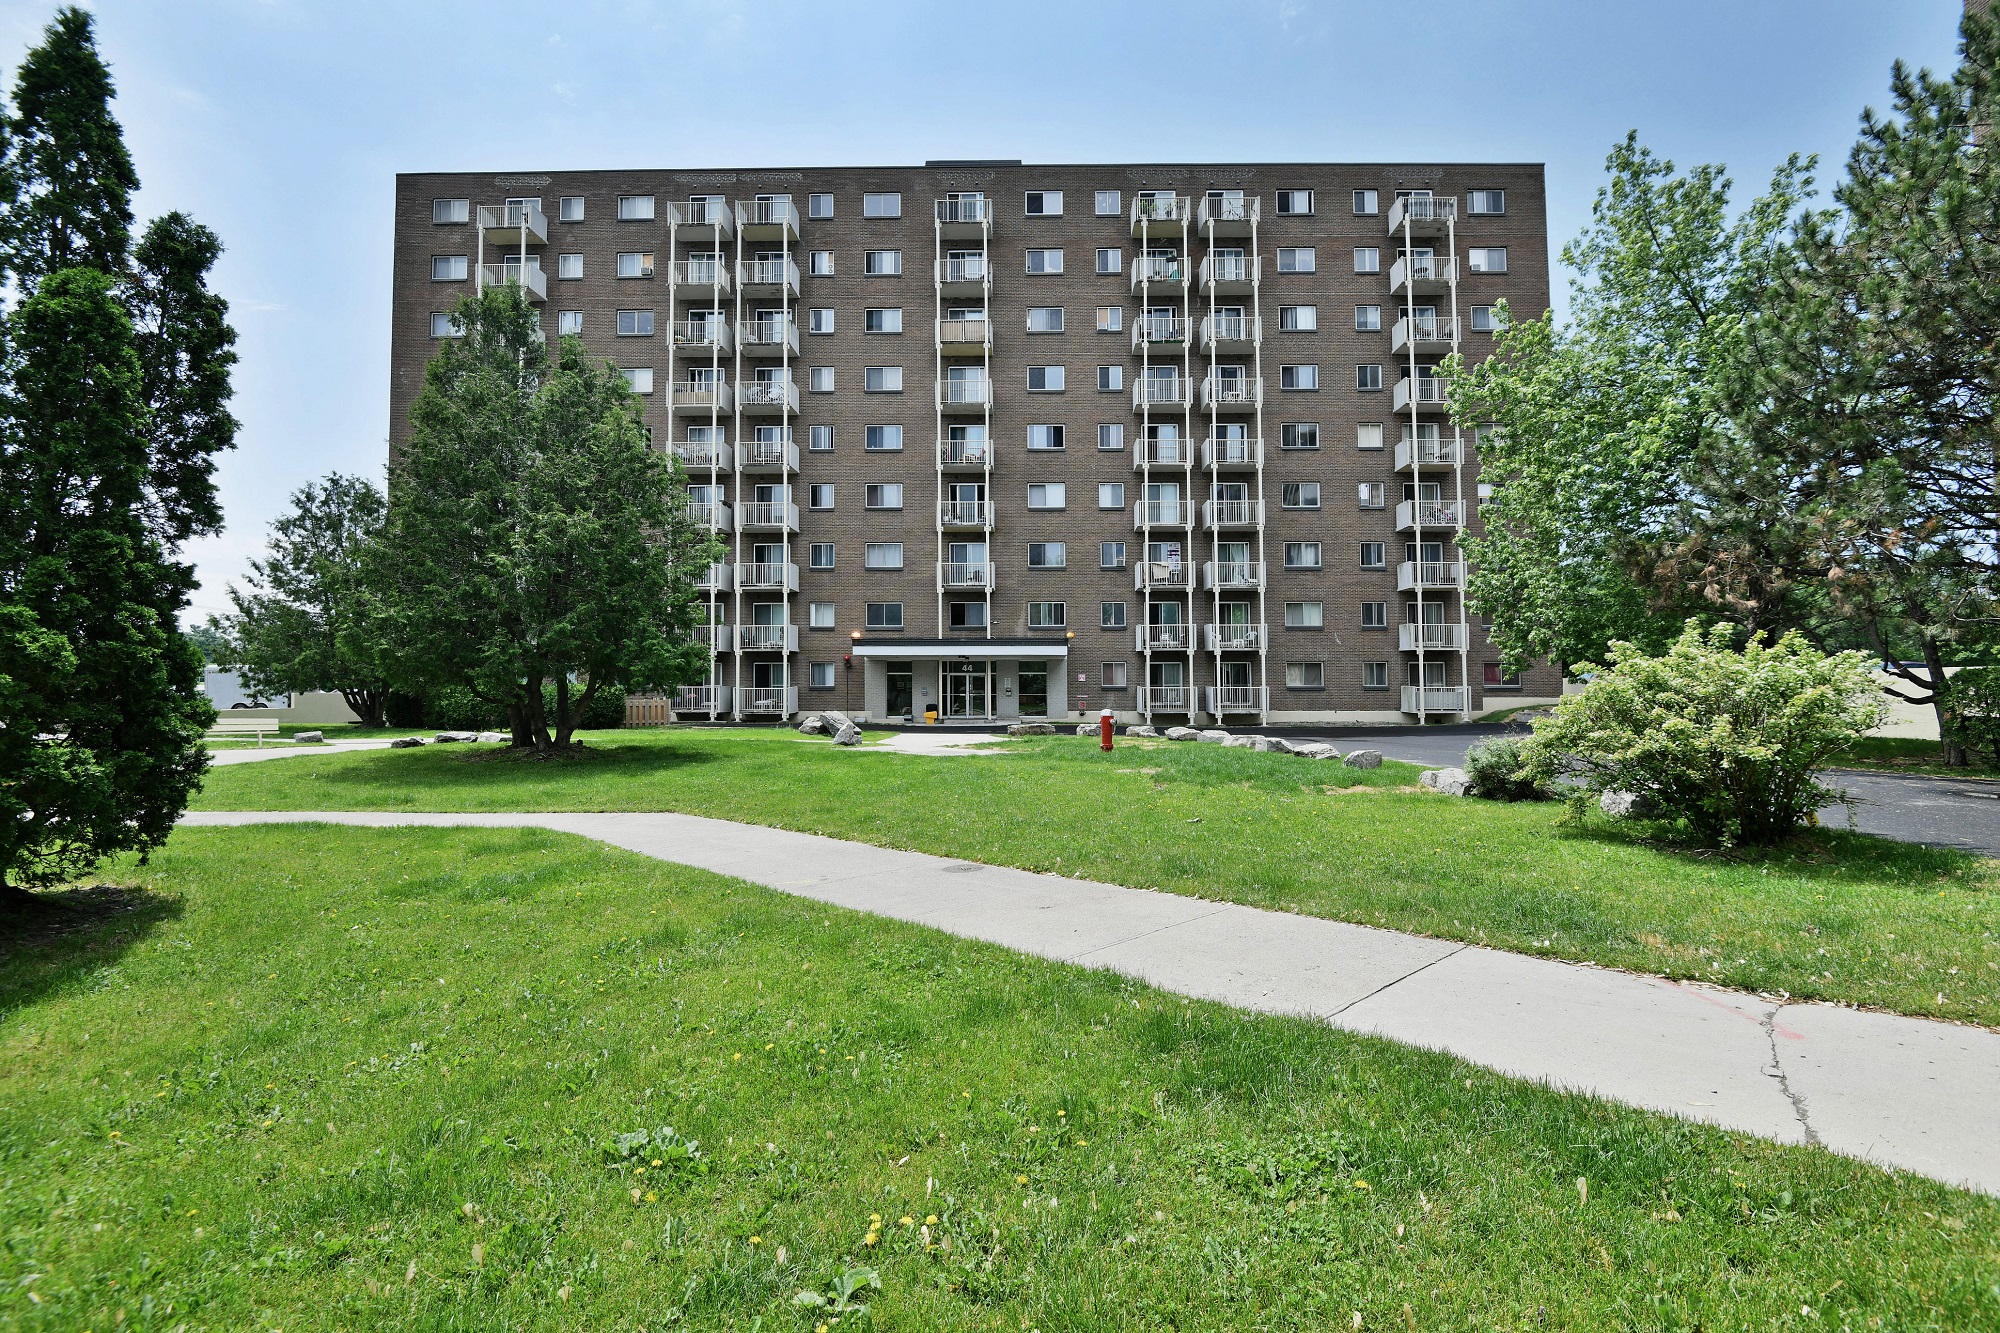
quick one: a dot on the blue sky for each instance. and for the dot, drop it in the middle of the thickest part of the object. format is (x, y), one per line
(282, 123)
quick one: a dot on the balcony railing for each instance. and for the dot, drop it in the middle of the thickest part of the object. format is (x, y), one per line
(505, 224)
(1162, 576)
(965, 513)
(782, 700)
(1422, 211)
(1434, 698)
(709, 514)
(1161, 638)
(1227, 212)
(1412, 575)
(1422, 273)
(1158, 331)
(768, 577)
(701, 396)
(1233, 638)
(971, 335)
(1430, 638)
(769, 337)
(1156, 391)
(966, 272)
(1431, 452)
(708, 274)
(1231, 331)
(1427, 333)
(1159, 514)
(1232, 513)
(768, 514)
(713, 578)
(768, 638)
(1226, 272)
(1168, 452)
(701, 699)
(768, 275)
(964, 210)
(1220, 699)
(963, 393)
(975, 574)
(1158, 271)
(774, 454)
(704, 456)
(964, 453)
(767, 216)
(703, 214)
(1165, 698)
(769, 395)
(1231, 393)
(1423, 393)
(702, 333)
(527, 277)
(1232, 451)
(1419, 514)
(1233, 574)
(1163, 215)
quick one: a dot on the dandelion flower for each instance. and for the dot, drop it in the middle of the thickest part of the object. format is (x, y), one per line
(931, 1220)
(656, 1161)
(737, 1056)
(906, 1220)
(756, 1240)
(1020, 1180)
(652, 1197)
(875, 1217)
(769, 1044)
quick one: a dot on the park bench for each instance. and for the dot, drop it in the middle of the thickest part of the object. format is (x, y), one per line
(236, 728)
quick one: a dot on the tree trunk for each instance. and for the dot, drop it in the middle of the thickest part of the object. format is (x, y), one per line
(572, 718)
(517, 725)
(536, 713)
(563, 726)
(366, 705)
(1949, 743)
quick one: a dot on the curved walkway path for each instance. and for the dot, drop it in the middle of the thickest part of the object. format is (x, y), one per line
(1909, 1093)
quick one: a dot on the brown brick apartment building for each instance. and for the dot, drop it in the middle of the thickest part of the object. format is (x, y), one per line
(1003, 440)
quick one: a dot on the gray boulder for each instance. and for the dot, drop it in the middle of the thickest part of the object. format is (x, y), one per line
(1316, 750)
(1032, 729)
(1087, 729)
(1242, 742)
(1144, 732)
(455, 737)
(1268, 745)
(1213, 736)
(1447, 781)
(833, 720)
(812, 725)
(1181, 734)
(848, 734)
(494, 737)
(1363, 759)
(1627, 804)
(406, 742)
(308, 737)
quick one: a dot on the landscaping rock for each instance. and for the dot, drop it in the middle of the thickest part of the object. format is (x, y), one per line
(1181, 734)
(406, 742)
(1363, 759)
(1242, 742)
(1316, 750)
(1212, 736)
(308, 737)
(454, 737)
(1144, 732)
(1269, 745)
(495, 737)
(1627, 804)
(1032, 729)
(1448, 781)
(832, 720)
(812, 725)
(1086, 728)
(848, 734)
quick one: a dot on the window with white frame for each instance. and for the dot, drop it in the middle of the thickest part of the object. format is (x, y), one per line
(1365, 203)
(1368, 379)
(819, 379)
(1374, 675)
(451, 210)
(1048, 555)
(635, 264)
(1296, 259)
(819, 495)
(1045, 437)
(820, 615)
(448, 268)
(640, 378)
(1485, 319)
(819, 206)
(569, 323)
(1367, 319)
(1111, 555)
(1299, 435)
(635, 323)
(883, 495)
(819, 555)
(885, 205)
(1295, 203)
(1045, 379)
(1110, 437)
(819, 439)
(1110, 260)
(1305, 675)
(1488, 203)
(1111, 676)
(885, 615)
(1370, 494)
(1374, 615)
(1110, 379)
(1045, 319)
(882, 379)
(1110, 203)
(1374, 555)
(883, 439)
(444, 324)
(1110, 495)
(819, 319)
(1045, 261)
(1111, 319)
(1044, 204)
(819, 675)
(882, 555)
(1301, 555)
(1047, 615)
(1300, 495)
(1368, 435)
(1367, 259)
(882, 263)
(569, 267)
(968, 615)
(1486, 259)
(1304, 615)
(882, 319)
(635, 208)
(569, 208)
(1048, 495)
(1298, 319)
(1111, 615)
(819, 264)
(1298, 379)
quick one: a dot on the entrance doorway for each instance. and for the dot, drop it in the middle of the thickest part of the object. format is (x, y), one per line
(1034, 689)
(968, 690)
(902, 681)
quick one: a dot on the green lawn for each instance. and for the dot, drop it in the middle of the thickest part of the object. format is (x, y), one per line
(333, 1078)
(1838, 916)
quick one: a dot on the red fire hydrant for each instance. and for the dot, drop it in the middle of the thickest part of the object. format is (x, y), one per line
(1104, 730)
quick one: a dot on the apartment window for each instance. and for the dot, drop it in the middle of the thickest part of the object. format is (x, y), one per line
(1109, 203)
(819, 555)
(1300, 495)
(882, 263)
(1110, 261)
(819, 206)
(1048, 555)
(819, 379)
(1111, 319)
(885, 615)
(1111, 555)
(820, 615)
(883, 495)
(1488, 203)
(1045, 379)
(635, 323)
(640, 378)
(1110, 379)
(635, 208)
(1486, 259)
(1047, 615)
(889, 205)
(569, 267)
(451, 210)
(1296, 259)
(1298, 379)
(1111, 615)
(1374, 675)
(1374, 615)
(1370, 494)
(1110, 438)
(1484, 319)
(569, 323)
(1048, 495)
(1304, 615)
(1111, 495)
(1045, 319)
(883, 319)
(882, 555)
(1299, 435)
(1497, 677)
(1295, 203)
(635, 264)
(1046, 437)
(1045, 261)
(1368, 379)
(1365, 204)
(1368, 435)
(819, 675)
(1368, 319)
(1305, 675)
(1044, 204)
(819, 319)
(819, 439)
(445, 325)
(448, 268)
(1301, 555)
(569, 208)
(1298, 318)
(819, 264)
(883, 439)
(882, 379)
(1112, 676)
(819, 495)
(1367, 259)
(1374, 555)
(968, 615)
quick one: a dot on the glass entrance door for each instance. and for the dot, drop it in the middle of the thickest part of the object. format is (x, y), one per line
(1034, 689)
(967, 692)
(902, 689)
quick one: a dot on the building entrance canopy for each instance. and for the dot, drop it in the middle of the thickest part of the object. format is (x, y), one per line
(952, 650)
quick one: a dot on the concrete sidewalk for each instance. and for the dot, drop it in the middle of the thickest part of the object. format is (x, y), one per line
(1908, 1093)
(223, 758)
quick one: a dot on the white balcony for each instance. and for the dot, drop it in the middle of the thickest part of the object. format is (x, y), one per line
(1233, 638)
(704, 217)
(1159, 392)
(1426, 395)
(768, 455)
(964, 277)
(1227, 215)
(1232, 452)
(707, 278)
(964, 455)
(771, 577)
(1159, 275)
(1414, 514)
(1232, 575)
(701, 397)
(1164, 699)
(964, 575)
(965, 513)
(713, 578)
(770, 700)
(711, 514)
(1420, 274)
(1167, 452)
(1161, 638)
(703, 335)
(1427, 452)
(703, 457)
(1231, 333)
(1444, 575)
(768, 220)
(507, 224)
(964, 337)
(527, 277)
(768, 638)
(710, 699)
(1231, 275)
(1159, 514)
(964, 395)
(1427, 215)
(716, 638)
(1162, 576)
(1425, 333)
(768, 397)
(1167, 216)
(1232, 393)
(768, 514)
(768, 277)
(963, 217)
(768, 337)
(1434, 698)
(1220, 699)
(1155, 335)
(1232, 513)
(1430, 638)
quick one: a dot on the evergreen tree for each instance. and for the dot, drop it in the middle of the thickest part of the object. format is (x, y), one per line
(186, 353)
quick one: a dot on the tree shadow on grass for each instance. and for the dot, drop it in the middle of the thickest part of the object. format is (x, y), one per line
(65, 935)
(406, 772)
(1834, 855)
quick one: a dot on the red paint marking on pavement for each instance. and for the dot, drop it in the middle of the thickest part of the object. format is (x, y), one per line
(1786, 1033)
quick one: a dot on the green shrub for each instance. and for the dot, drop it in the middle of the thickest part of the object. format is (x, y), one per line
(1972, 711)
(606, 710)
(403, 710)
(1495, 767)
(453, 708)
(1726, 741)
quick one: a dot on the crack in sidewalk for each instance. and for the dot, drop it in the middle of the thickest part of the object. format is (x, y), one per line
(1396, 981)
(1799, 1109)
